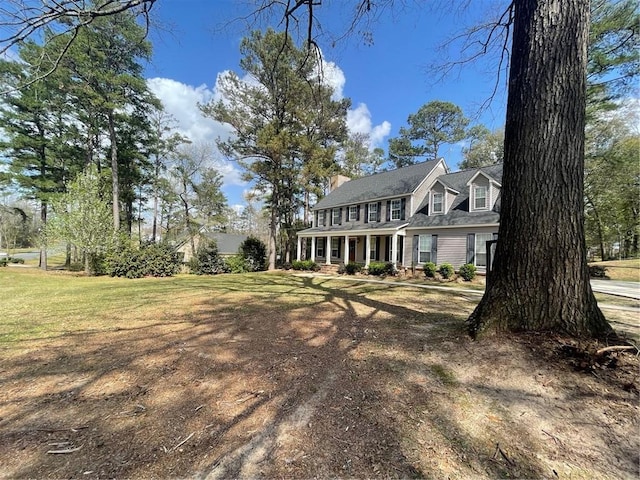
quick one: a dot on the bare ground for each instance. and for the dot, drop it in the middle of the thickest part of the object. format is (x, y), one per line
(359, 381)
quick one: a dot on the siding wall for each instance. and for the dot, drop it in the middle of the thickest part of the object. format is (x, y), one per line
(495, 191)
(452, 243)
(423, 190)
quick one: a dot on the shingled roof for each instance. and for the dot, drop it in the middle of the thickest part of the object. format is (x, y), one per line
(394, 183)
(459, 213)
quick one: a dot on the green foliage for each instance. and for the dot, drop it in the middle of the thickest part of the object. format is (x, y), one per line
(254, 252)
(381, 268)
(485, 148)
(446, 270)
(468, 271)
(352, 268)
(237, 264)
(4, 261)
(148, 260)
(207, 261)
(308, 265)
(597, 271)
(430, 270)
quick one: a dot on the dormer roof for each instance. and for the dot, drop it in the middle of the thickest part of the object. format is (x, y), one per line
(487, 176)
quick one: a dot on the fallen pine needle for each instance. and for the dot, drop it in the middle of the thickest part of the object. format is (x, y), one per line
(65, 450)
(183, 441)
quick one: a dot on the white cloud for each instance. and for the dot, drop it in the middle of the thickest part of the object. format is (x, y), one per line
(333, 76)
(181, 101)
(359, 121)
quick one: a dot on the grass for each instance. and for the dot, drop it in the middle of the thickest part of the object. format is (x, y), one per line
(622, 270)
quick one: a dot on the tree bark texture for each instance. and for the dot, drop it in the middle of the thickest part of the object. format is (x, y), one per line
(540, 277)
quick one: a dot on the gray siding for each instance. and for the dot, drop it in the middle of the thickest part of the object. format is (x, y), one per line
(423, 189)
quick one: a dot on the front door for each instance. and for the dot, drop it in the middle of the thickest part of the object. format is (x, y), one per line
(352, 249)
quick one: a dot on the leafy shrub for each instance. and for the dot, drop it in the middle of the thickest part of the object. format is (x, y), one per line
(430, 270)
(352, 268)
(309, 265)
(286, 266)
(148, 260)
(468, 271)
(254, 252)
(446, 270)
(381, 268)
(236, 264)
(4, 261)
(207, 261)
(597, 271)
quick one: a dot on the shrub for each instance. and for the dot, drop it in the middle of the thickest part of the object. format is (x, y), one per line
(352, 268)
(287, 266)
(148, 260)
(236, 264)
(254, 252)
(381, 268)
(309, 265)
(597, 271)
(446, 270)
(468, 271)
(207, 261)
(430, 270)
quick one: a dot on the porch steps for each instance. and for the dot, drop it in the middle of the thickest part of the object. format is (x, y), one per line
(329, 269)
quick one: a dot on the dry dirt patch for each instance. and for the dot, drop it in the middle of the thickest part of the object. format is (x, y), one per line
(331, 380)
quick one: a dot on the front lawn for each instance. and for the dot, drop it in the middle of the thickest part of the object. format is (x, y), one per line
(276, 375)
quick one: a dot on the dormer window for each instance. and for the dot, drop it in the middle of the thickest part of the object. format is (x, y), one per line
(396, 209)
(480, 198)
(438, 202)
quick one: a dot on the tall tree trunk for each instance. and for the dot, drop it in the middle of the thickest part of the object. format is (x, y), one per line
(114, 171)
(540, 280)
(599, 223)
(43, 248)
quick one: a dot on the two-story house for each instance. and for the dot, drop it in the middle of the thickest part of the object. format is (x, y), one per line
(409, 216)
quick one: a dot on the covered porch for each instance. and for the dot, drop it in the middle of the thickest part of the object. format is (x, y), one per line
(336, 248)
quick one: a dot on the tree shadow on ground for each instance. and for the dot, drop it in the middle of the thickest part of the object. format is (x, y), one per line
(301, 377)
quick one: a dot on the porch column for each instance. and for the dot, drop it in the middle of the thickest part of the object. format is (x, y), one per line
(367, 253)
(313, 249)
(346, 249)
(394, 249)
(299, 255)
(327, 251)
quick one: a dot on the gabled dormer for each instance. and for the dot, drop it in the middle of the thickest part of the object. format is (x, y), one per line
(441, 198)
(483, 192)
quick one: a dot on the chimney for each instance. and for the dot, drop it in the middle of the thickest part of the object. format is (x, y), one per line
(336, 181)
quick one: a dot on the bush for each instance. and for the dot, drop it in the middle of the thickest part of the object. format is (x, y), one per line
(430, 270)
(236, 264)
(381, 268)
(286, 266)
(308, 265)
(254, 252)
(597, 271)
(4, 261)
(468, 271)
(446, 270)
(352, 268)
(207, 261)
(148, 260)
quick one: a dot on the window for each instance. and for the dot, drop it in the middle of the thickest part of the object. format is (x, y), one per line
(396, 209)
(320, 247)
(480, 198)
(335, 247)
(321, 218)
(481, 248)
(335, 216)
(424, 248)
(373, 212)
(353, 213)
(373, 251)
(438, 202)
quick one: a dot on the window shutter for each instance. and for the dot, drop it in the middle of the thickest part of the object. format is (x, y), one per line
(358, 213)
(403, 207)
(388, 249)
(377, 248)
(416, 245)
(340, 217)
(471, 247)
(366, 213)
(324, 219)
(315, 222)
(379, 211)
(388, 210)
(434, 249)
(339, 245)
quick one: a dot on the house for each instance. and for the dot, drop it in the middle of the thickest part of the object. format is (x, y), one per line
(228, 244)
(409, 216)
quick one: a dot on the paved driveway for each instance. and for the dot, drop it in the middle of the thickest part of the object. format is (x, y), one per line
(612, 287)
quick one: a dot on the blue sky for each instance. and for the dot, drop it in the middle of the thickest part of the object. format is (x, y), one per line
(386, 81)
